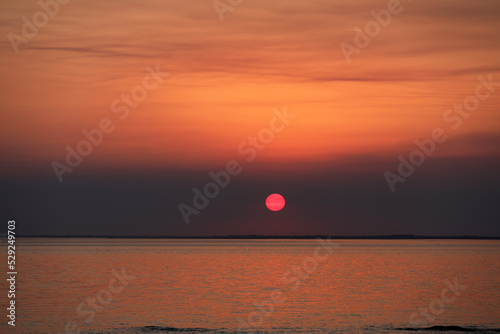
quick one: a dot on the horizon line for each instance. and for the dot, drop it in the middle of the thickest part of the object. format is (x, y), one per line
(256, 236)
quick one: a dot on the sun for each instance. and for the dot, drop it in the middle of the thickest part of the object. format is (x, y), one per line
(275, 202)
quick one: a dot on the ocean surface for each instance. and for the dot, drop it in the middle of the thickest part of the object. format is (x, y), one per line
(255, 286)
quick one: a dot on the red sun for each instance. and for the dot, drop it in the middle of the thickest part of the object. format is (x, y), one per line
(275, 202)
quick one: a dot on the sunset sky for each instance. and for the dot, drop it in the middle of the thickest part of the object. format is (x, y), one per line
(353, 119)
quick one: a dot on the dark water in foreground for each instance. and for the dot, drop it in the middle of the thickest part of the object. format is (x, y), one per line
(270, 286)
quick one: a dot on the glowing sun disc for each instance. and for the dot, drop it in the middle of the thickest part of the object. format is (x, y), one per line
(275, 202)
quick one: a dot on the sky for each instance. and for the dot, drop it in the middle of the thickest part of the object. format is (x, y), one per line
(356, 100)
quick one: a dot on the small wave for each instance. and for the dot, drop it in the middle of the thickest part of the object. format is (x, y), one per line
(173, 329)
(453, 328)
(159, 330)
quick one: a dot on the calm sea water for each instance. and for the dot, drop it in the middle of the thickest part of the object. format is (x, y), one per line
(273, 286)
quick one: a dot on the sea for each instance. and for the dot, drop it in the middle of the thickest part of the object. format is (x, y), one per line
(99, 285)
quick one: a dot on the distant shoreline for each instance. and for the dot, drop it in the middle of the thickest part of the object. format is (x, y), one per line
(376, 237)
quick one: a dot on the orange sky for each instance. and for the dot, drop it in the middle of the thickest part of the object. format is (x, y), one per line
(227, 76)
